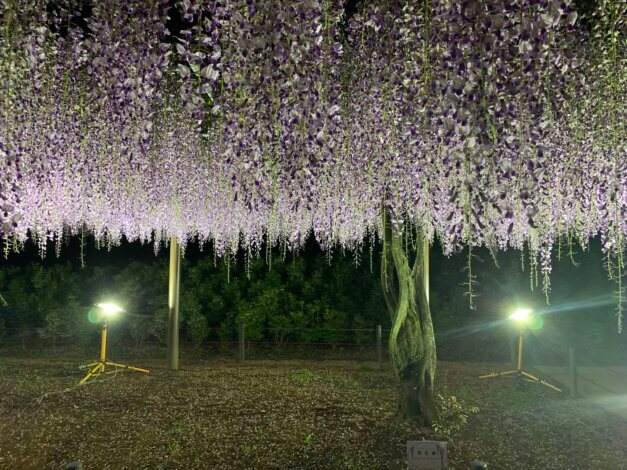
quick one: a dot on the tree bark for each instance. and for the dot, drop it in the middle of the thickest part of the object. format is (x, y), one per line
(412, 340)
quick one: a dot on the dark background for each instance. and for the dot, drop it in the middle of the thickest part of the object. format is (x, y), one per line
(309, 297)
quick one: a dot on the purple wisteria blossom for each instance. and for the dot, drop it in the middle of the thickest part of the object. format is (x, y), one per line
(498, 123)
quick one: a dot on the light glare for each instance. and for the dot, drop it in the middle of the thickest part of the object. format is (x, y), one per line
(110, 309)
(521, 315)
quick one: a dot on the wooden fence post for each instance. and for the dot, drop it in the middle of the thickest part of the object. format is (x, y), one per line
(242, 342)
(379, 352)
(573, 372)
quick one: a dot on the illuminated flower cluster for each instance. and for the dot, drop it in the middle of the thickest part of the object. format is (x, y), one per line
(495, 122)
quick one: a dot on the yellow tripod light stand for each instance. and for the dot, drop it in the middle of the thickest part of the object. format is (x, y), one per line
(105, 366)
(521, 316)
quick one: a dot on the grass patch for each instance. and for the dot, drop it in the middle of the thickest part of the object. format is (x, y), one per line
(286, 414)
(304, 377)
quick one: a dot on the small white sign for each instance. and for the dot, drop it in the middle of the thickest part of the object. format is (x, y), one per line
(426, 455)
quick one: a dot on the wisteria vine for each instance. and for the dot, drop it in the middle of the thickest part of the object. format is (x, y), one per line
(497, 123)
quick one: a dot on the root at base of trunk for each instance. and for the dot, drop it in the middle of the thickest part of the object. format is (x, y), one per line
(416, 400)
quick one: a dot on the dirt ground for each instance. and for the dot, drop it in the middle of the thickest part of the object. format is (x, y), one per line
(219, 414)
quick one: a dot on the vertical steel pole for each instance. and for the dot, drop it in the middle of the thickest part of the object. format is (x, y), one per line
(103, 342)
(379, 353)
(520, 350)
(513, 354)
(173, 304)
(573, 372)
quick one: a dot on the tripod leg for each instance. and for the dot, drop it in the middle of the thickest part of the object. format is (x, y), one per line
(497, 374)
(533, 378)
(92, 373)
(553, 387)
(126, 366)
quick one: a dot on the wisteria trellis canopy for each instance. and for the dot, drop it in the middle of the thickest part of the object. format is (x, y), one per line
(484, 122)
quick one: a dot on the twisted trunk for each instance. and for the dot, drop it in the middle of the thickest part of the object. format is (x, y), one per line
(412, 340)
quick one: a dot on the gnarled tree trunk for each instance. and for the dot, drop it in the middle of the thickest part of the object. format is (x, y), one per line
(412, 340)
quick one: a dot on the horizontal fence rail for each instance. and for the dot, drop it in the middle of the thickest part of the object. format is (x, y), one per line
(366, 343)
(471, 340)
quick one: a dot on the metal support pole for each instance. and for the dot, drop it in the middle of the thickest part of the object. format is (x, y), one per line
(520, 350)
(173, 304)
(379, 352)
(513, 353)
(242, 342)
(103, 342)
(573, 372)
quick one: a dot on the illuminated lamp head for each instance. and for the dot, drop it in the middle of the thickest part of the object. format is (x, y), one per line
(109, 310)
(522, 315)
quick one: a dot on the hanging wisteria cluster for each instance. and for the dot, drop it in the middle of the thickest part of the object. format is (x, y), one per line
(484, 122)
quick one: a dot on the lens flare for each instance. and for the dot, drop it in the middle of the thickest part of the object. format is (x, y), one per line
(594, 302)
(93, 315)
(536, 322)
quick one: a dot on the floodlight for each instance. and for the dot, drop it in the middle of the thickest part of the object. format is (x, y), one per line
(110, 309)
(97, 368)
(521, 315)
